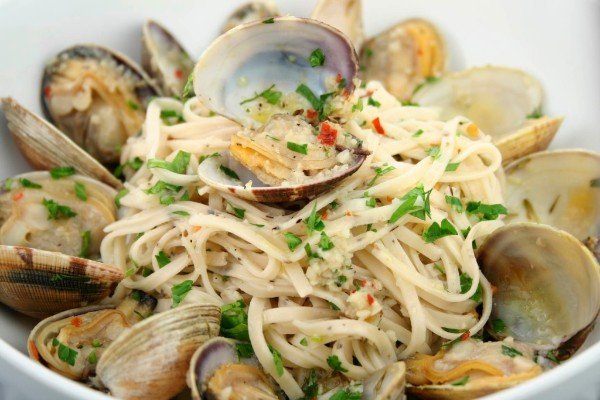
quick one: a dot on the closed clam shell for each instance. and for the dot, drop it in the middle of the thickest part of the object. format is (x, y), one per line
(150, 360)
(251, 11)
(41, 283)
(345, 15)
(45, 147)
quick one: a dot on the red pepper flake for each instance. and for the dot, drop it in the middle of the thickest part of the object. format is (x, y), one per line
(494, 289)
(33, 350)
(363, 283)
(465, 336)
(348, 214)
(328, 135)
(338, 78)
(377, 125)
(18, 196)
(370, 299)
(76, 322)
(47, 92)
(178, 73)
(311, 114)
(324, 215)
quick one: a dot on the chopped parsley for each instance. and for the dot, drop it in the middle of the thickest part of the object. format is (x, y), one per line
(333, 306)
(26, 183)
(486, 212)
(317, 58)
(309, 253)
(451, 167)
(465, 284)
(96, 343)
(80, 191)
(453, 330)
(325, 242)
(86, 238)
(239, 212)
(274, 138)
(162, 259)
(179, 291)
(510, 351)
(181, 213)
(65, 353)
(409, 205)
(61, 172)
(269, 21)
(229, 172)
(461, 382)
(277, 360)
(346, 394)
(292, 240)
(358, 106)
(551, 355)
(298, 148)
(134, 164)
(439, 268)
(234, 321)
(188, 89)
(418, 133)
(206, 157)
(537, 113)
(314, 222)
(133, 105)
(595, 182)
(380, 172)
(244, 350)
(434, 152)
(498, 325)
(311, 383)
(373, 102)
(92, 357)
(318, 103)
(170, 114)
(369, 52)
(455, 203)
(370, 200)
(429, 79)
(335, 364)
(8, 183)
(166, 192)
(270, 95)
(58, 211)
(304, 342)
(178, 165)
(122, 193)
(437, 231)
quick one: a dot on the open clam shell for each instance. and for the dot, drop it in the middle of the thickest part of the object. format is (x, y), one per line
(164, 58)
(560, 188)
(251, 11)
(403, 56)
(253, 57)
(547, 284)
(46, 147)
(41, 283)
(505, 103)
(215, 369)
(345, 15)
(97, 97)
(210, 171)
(470, 369)
(30, 217)
(150, 360)
(88, 331)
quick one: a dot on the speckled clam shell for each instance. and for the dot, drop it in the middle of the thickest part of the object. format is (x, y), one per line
(42, 283)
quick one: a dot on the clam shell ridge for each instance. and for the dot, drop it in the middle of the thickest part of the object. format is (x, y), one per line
(41, 283)
(150, 360)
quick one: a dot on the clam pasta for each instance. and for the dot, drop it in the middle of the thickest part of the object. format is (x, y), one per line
(378, 291)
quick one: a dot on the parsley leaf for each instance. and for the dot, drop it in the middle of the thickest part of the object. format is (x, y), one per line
(244, 350)
(122, 193)
(511, 352)
(595, 182)
(179, 291)
(498, 325)
(277, 360)
(486, 212)
(269, 21)
(373, 102)
(133, 105)
(358, 106)
(317, 58)
(325, 242)
(61, 172)
(409, 205)
(80, 191)
(26, 183)
(206, 157)
(455, 203)
(434, 152)
(66, 354)
(461, 382)
(335, 364)
(537, 113)
(346, 394)
(188, 89)
(311, 383)
(239, 212)
(58, 211)
(380, 172)
(314, 222)
(229, 172)
(298, 148)
(292, 240)
(234, 321)
(162, 258)
(309, 253)
(418, 133)
(465, 284)
(451, 167)
(178, 165)
(437, 231)
(270, 95)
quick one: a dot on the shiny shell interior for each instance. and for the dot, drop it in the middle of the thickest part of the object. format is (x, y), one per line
(164, 58)
(251, 58)
(547, 283)
(404, 56)
(560, 188)
(45, 147)
(97, 97)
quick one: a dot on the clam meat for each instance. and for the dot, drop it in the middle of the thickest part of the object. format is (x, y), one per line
(97, 97)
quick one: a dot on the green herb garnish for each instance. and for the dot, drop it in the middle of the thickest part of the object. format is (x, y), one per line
(298, 148)
(292, 240)
(234, 321)
(229, 172)
(418, 133)
(380, 172)
(486, 212)
(451, 167)
(325, 242)
(335, 364)
(86, 239)
(511, 352)
(65, 353)
(80, 191)
(58, 211)
(179, 291)
(434, 152)
(26, 183)
(206, 157)
(498, 325)
(61, 172)
(317, 58)
(437, 231)
(244, 350)
(133, 105)
(373, 102)
(270, 95)
(239, 212)
(269, 21)
(178, 165)
(162, 259)
(465, 284)
(461, 382)
(358, 106)
(455, 203)
(92, 357)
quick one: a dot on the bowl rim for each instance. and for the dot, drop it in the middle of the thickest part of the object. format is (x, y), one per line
(527, 390)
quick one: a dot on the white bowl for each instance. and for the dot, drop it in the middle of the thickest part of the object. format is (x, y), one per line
(556, 41)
